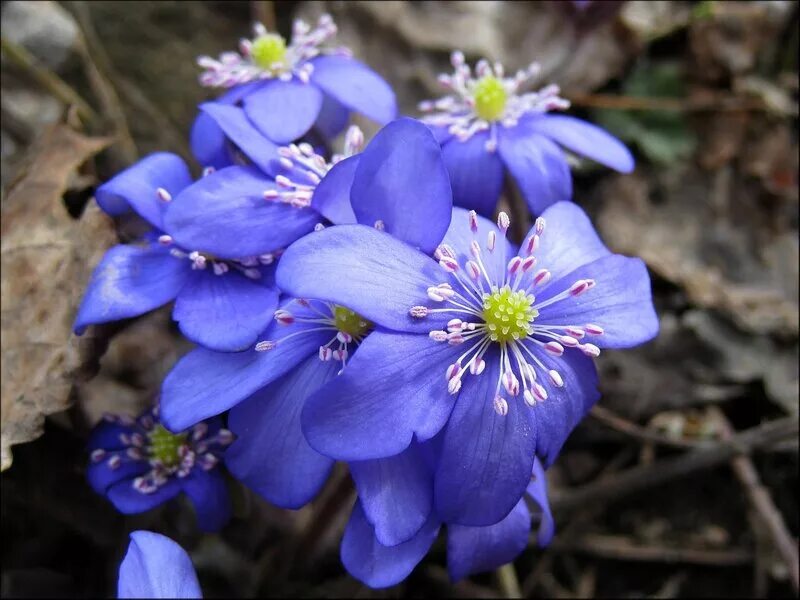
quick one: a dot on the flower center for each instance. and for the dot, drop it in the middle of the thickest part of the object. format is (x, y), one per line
(165, 445)
(269, 51)
(508, 315)
(350, 322)
(490, 98)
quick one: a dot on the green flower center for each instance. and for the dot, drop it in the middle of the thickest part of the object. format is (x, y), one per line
(490, 98)
(508, 315)
(267, 50)
(351, 322)
(164, 445)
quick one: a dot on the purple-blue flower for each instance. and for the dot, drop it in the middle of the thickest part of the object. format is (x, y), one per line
(222, 300)
(286, 89)
(488, 127)
(156, 567)
(138, 465)
(398, 188)
(489, 343)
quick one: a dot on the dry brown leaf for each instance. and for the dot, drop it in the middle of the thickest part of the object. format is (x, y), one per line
(46, 259)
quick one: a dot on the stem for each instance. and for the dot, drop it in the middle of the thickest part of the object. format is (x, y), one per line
(508, 582)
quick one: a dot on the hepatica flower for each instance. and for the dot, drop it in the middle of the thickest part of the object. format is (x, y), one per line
(398, 188)
(488, 126)
(154, 566)
(490, 343)
(285, 88)
(138, 465)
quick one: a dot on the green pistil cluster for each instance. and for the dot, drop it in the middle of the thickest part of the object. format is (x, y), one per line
(164, 445)
(490, 98)
(268, 50)
(351, 322)
(508, 315)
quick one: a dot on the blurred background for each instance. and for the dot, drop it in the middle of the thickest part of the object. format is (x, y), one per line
(651, 497)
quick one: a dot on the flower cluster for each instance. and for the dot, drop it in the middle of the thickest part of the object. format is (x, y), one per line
(362, 306)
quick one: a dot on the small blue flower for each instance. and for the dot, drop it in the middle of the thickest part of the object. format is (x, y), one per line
(286, 89)
(487, 127)
(469, 549)
(156, 567)
(489, 343)
(222, 300)
(139, 465)
(397, 187)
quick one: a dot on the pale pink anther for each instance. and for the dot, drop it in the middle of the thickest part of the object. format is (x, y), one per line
(220, 268)
(449, 264)
(454, 339)
(511, 383)
(452, 370)
(455, 325)
(529, 245)
(575, 332)
(500, 406)
(284, 181)
(199, 431)
(514, 264)
(539, 392)
(208, 171)
(418, 312)
(97, 455)
(252, 273)
(224, 436)
(569, 341)
(555, 377)
(491, 240)
(271, 194)
(475, 248)
(134, 453)
(114, 461)
(137, 439)
(380, 225)
(344, 337)
(590, 350)
(554, 348)
(539, 225)
(528, 263)
(340, 354)
(454, 385)
(165, 240)
(593, 329)
(445, 251)
(542, 277)
(163, 195)
(530, 399)
(477, 366)
(286, 163)
(325, 353)
(473, 270)
(473, 221)
(265, 346)
(125, 439)
(284, 317)
(319, 227)
(437, 335)
(580, 286)
(503, 222)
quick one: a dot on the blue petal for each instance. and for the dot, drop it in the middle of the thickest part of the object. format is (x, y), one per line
(401, 180)
(356, 86)
(380, 566)
(537, 489)
(224, 312)
(366, 270)
(106, 435)
(283, 110)
(129, 501)
(620, 303)
(208, 491)
(476, 549)
(128, 282)
(486, 458)
(136, 187)
(225, 213)
(585, 139)
(332, 119)
(208, 143)
(233, 121)
(156, 567)
(101, 476)
(396, 494)
(332, 197)
(459, 237)
(205, 383)
(270, 454)
(537, 165)
(393, 387)
(475, 174)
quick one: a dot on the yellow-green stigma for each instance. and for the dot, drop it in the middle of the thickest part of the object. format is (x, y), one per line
(350, 322)
(164, 445)
(268, 50)
(508, 315)
(490, 98)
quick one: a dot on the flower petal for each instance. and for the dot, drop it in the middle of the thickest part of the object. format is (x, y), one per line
(366, 270)
(208, 491)
(621, 302)
(156, 567)
(537, 165)
(283, 110)
(476, 549)
(225, 213)
(486, 458)
(128, 282)
(393, 387)
(106, 435)
(537, 489)
(396, 494)
(380, 566)
(401, 181)
(332, 197)
(267, 425)
(333, 117)
(475, 174)
(585, 139)
(130, 501)
(101, 476)
(356, 86)
(209, 143)
(136, 187)
(224, 312)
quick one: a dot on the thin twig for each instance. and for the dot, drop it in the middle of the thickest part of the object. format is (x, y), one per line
(263, 12)
(761, 501)
(666, 104)
(643, 434)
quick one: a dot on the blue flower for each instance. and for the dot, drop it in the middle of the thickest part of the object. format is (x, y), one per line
(286, 89)
(156, 567)
(139, 465)
(222, 300)
(398, 188)
(489, 343)
(469, 549)
(487, 126)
